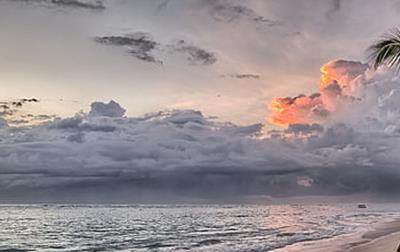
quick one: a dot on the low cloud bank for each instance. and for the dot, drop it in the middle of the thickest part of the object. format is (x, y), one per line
(103, 155)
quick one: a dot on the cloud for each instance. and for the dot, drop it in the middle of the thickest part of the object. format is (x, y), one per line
(138, 44)
(349, 149)
(163, 5)
(242, 76)
(20, 112)
(96, 5)
(67, 152)
(111, 109)
(195, 54)
(9, 108)
(223, 11)
(341, 85)
(304, 128)
(3, 123)
(83, 4)
(182, 153)
(226, 11)
(297, 110)
(23, 101)
(335, 7)
(141, 46)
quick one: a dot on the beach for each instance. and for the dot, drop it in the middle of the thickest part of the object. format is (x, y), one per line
(382, 237)
(387, 243)
(385, 238)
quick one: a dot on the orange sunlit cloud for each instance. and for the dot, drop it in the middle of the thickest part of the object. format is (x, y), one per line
(339, 80)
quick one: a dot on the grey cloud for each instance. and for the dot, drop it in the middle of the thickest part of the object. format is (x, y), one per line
(3, 123)
(304, 128)
(195, 54)
(335, 7)
(333, 88)
(6, 110)
(9, 108)
(21, 102)
(18, 121)
(78, 124)
(14, 112)
(223, 11)
(85, 4)
(183, 117)
(242, 76)
(320, 112)
(43, 117)
(111, 109)
(139, 45)
(163, 5)
(78, 137)
(142, 46)
(186, 154)
(96, 5)
(226, 12)
(268, 22)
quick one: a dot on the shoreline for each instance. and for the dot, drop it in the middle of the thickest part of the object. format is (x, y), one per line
(384, 237)
(386, 243)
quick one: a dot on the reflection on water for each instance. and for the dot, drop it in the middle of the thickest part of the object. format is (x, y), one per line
(176, 228)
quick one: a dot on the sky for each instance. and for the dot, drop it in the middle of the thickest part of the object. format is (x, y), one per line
(49, 51)
(154, 100)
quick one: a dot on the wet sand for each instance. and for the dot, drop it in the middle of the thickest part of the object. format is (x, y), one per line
(385, 238)
(388, 243)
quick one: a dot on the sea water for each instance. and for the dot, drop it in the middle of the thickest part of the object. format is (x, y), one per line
(179, 227)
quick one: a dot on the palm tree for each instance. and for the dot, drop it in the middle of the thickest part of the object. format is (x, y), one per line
(386, 51)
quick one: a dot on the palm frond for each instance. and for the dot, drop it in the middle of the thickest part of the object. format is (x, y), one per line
(386, 51)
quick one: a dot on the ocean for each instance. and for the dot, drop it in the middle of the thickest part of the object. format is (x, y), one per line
(161, 228)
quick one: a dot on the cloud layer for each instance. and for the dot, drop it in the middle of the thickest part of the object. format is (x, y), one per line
(340, 140)
(182, 153)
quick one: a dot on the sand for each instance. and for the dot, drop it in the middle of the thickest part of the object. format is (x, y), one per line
(383, 238)
(388, 243)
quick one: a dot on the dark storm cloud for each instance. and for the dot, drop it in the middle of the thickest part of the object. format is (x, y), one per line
(139, 45)
(194, 54)
(189, 155)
